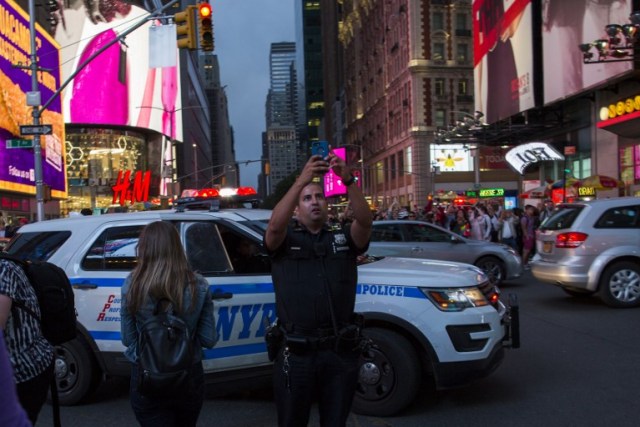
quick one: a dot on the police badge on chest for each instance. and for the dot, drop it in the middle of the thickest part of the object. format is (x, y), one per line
(339, 243)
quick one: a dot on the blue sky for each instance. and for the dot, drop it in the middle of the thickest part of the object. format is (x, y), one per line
(244, 31)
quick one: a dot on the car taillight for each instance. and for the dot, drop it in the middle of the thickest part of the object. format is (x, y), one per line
(570, 240)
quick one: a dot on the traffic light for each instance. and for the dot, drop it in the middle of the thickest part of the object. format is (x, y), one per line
(186, 28)
(205, 26)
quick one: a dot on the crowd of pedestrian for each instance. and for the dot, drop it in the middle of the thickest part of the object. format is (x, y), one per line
(483, 221)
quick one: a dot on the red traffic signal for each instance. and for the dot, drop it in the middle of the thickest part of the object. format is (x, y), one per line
(205, 22)
(204, 9)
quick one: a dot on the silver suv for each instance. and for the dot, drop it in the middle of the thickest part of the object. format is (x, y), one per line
(592, 247)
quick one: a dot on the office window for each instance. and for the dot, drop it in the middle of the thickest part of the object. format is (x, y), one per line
(439, 87)
(463, 52)
(461, 21)
(438, 21)
(441, 118)
(438, 51)
(463, 86)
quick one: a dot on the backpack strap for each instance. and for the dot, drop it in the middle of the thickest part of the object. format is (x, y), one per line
(23, 307)
(55, 402)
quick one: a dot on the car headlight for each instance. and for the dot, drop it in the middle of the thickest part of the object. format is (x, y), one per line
(456, 299)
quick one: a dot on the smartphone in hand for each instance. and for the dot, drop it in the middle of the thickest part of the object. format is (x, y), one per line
(320, 148)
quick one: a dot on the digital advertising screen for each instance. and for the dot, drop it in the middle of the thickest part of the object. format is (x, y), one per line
(17, 165)
(452, 157)
(117, 87)
(503, 59)
(333, 183)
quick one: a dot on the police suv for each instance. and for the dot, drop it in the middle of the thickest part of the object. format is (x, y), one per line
(441, 319)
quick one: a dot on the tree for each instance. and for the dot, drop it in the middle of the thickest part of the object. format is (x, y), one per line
(281, 189)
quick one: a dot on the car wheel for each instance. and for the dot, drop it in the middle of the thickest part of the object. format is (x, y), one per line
(493, 267)
(620, 285)
(578, 292)
(389, 375)
(76, 371)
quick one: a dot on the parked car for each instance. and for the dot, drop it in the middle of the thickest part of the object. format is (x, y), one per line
(419, 239)
(591, 248)
(442, 319)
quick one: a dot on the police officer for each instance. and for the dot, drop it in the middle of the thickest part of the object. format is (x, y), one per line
(314, 274)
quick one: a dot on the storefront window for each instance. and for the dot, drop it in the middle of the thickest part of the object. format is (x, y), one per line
(94, 159)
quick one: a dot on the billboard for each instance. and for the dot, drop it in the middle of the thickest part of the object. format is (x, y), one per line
(452, 157)
(333, 183)
(565, 25)
(502, 57)
(117, 87)
(17, 171)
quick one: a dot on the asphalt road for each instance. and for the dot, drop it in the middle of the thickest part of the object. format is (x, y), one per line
(578, 366)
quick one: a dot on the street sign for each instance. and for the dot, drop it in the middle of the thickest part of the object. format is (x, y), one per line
(36, 129)
(19, 143)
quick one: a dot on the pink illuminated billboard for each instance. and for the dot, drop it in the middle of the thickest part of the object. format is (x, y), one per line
(332, 183)
(117, 87)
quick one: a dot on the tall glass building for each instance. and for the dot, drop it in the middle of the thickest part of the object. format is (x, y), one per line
(282, 99)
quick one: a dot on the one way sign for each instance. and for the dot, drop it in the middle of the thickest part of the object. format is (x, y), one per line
(36, 129)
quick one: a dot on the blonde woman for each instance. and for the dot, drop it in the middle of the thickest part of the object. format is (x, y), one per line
(163, 273)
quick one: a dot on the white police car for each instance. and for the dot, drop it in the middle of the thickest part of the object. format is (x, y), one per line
(426, 317)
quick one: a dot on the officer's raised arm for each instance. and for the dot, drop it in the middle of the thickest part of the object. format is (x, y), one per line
(363, 219)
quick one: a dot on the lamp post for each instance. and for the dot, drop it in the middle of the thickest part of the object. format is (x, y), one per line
(195, 162)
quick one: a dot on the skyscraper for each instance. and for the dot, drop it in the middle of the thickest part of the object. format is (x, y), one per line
(282, 146)
(282, 98)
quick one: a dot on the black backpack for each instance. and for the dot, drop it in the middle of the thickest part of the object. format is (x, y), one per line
(165, 355)
(55, 298)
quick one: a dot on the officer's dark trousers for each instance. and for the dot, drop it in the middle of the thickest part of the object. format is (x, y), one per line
(324, 374)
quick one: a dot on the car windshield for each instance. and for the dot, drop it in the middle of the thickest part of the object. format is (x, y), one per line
(259, 226)
(37, 246)
(562, 218)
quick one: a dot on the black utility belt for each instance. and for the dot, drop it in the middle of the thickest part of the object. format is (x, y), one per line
(301, 343)
(347, 339)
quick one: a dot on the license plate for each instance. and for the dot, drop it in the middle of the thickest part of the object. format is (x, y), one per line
(547, 247)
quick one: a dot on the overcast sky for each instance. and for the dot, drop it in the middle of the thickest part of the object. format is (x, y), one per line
(244, 31)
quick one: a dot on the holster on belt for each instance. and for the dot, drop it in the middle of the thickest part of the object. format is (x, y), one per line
(273, 337)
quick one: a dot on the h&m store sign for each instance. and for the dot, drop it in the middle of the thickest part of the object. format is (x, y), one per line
(132, 191)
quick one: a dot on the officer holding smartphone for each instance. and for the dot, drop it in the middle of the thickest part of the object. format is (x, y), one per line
(315, 275)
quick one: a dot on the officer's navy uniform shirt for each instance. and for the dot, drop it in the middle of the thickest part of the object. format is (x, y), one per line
(302, 266)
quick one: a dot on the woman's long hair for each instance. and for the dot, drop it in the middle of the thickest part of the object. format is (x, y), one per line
(162, 271)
